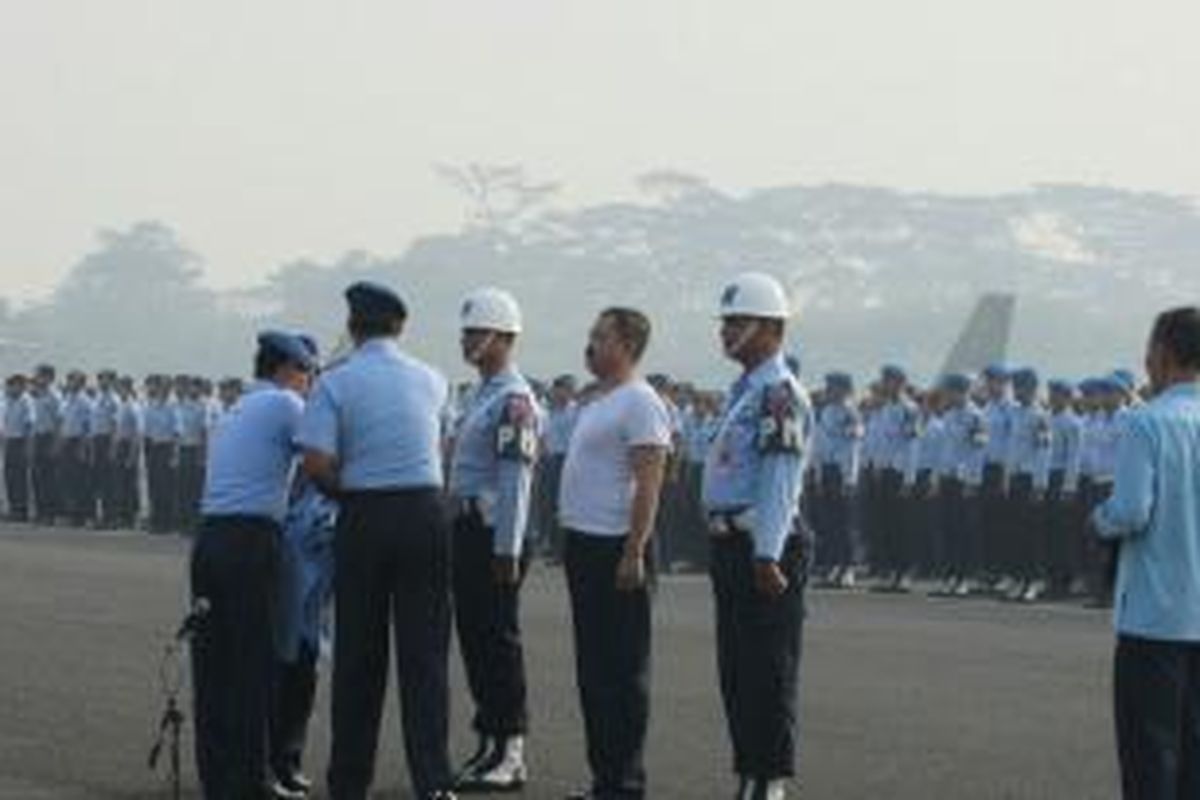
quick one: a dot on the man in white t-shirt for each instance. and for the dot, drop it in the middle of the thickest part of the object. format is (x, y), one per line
(607, 504)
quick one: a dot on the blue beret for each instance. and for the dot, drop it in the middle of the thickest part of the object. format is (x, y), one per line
(1125, 379)
(1060, 386)
(1026, 377)
(996, 370)
(370, 299)
(310, 344)
(893, 372)
(840, 380)
(288, 346)
(956, 382)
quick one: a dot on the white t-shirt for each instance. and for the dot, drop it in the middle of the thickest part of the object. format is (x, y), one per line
(597, 478)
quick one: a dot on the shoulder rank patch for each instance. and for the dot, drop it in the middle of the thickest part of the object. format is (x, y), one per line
(516, 434)
(779, 423)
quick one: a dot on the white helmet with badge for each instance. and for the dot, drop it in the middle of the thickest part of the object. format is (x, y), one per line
(755, 294)
(490, 309)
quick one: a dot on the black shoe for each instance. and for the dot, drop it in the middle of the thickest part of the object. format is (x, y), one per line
(485, 755)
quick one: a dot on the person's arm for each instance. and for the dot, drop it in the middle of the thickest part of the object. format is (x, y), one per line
(317, 436)
(648, 464)
(516, 453)
(1127, 512)
(784, 432)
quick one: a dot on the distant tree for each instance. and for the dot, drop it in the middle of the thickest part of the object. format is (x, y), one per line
(500, 196)
(135, 302)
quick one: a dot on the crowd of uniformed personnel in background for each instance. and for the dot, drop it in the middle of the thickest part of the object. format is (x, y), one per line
(99, 453)
(982, 484)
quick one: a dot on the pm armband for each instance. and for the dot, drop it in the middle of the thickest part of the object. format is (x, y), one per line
(780, 427)
(516, 434)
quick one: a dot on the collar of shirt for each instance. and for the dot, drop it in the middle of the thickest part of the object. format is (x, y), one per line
(377, 347)
(1186, 389)
(772, 367)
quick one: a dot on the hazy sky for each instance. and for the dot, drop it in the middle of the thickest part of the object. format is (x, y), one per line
(266, 130)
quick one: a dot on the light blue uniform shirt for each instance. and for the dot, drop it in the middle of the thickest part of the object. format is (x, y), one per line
(495, 445)
(1100, 435)
(130, 425)
(837, 440)
(999, 416)
(559, 424)
(755, 467)
(161, 422)
(105, 411)
(965, 438)
(927, 450)
(193, 422)
(899, 430)
(20, 416)
(48, 411)
(703, 429)
(872, 446)
(77, 416)
(1029, 444)
(253, 456)
(1155, 513)
(379, 413)
(1066, 431)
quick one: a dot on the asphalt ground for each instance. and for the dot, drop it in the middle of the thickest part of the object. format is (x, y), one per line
(903, 697)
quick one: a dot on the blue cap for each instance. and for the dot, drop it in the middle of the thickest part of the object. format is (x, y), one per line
(310, 344)
(288, 346)
(369, 299)
(996, 371)
(1025, 378)
(840, 380)
(956, 382)
(1125, 379)
(1060, 386)
(893, 372)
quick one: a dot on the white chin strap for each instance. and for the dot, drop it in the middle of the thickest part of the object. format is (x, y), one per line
(748, 334)
(476, 353)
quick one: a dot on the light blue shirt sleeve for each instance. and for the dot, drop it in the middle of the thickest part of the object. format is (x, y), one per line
(319, 426)
(780, 481)
(1127, 512)
(514, 485)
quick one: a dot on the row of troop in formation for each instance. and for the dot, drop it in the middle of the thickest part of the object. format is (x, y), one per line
(403, 573)
(980, 483)
(79, 453)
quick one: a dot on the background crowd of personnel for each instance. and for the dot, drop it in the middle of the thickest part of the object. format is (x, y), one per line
(982, 484)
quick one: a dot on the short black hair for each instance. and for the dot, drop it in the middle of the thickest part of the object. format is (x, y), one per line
(1178, 331)
(372, 326)
(632, 328)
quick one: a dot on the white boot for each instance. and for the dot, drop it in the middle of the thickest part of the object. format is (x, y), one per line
(509, 772)
(774, 790)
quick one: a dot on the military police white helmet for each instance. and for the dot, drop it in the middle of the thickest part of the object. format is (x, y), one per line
(754, 294)
(490, 309)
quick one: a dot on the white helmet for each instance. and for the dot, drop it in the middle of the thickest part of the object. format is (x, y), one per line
(490, 309)
(754, 294)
